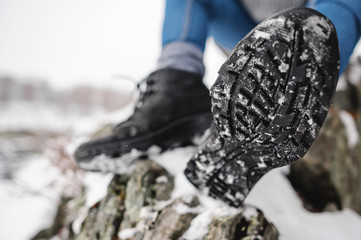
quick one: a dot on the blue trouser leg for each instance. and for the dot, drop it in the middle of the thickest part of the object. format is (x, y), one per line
(185, 21)
(185, 32)
(192, 21)
(229, 23)
(346, 16)
(187, 25)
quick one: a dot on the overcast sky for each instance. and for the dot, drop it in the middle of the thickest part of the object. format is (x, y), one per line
(74, 41)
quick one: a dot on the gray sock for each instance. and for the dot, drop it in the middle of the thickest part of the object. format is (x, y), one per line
(182, 56)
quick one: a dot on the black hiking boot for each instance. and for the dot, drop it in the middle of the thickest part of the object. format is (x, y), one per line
(268, 103)
(174, 107)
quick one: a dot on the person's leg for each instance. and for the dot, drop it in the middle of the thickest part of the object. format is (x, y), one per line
(188, 23)
(185, 21)
(346, 16)
(184, 35)
(229, 23)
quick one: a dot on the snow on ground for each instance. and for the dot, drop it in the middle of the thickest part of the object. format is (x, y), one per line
(28, 202)
(97, 186)
(275, 196)
(29, 198)
(351, 128)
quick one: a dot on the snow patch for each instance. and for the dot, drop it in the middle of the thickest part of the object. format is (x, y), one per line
(199, 227)
(198, 139)
(182, 208)
(30, 199)
(341, 84)
(319, 25)
(249, 212)
(120, 165)
(279, 21)
(304, 56)
(275, 196)
(261, 34)
(283, 67)
(127, 233)
(77, 224)
(96, 185)
(351, 128)
(281, 100)
(162, 179)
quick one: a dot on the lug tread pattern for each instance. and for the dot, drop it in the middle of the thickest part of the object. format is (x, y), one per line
(269, 103)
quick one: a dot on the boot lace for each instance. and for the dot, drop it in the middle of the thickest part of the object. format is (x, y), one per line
(145, 88)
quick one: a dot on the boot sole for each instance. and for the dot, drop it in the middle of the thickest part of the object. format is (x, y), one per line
(111, 154)
(269, 102)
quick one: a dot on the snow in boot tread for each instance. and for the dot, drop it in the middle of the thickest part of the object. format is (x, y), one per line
(269, 102)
